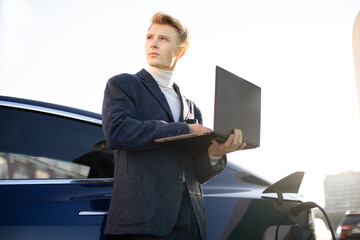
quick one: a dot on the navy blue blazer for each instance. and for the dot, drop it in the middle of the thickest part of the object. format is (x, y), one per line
(148, 177)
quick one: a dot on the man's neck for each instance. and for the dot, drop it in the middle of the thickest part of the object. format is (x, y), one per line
(162, 77)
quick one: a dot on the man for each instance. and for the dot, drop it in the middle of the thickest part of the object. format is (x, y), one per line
(157, 192)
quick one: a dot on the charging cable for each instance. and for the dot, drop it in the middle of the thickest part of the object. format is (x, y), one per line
(308, 205)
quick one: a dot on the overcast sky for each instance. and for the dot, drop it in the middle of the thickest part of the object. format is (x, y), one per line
(298, 52)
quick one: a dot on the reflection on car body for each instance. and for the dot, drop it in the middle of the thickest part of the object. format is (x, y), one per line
(22, 166)
(55, 185)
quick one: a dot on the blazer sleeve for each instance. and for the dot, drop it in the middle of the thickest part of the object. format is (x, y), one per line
(205, 170)
(123, 128)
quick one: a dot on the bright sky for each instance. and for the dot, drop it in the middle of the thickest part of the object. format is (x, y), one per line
(299, 53)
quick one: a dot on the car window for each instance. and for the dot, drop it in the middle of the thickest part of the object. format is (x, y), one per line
(40, 145)
(351, 219)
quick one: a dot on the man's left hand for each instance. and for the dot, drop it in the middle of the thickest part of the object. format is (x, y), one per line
(232, 144)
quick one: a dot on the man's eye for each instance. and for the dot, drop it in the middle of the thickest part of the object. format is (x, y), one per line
(148, 37)
(164, 39)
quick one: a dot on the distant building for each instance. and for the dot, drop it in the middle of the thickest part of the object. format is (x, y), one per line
(342, 192)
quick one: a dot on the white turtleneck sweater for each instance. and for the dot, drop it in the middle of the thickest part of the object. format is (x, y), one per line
(163, 78)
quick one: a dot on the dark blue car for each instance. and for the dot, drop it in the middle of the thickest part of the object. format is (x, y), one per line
(56, 179)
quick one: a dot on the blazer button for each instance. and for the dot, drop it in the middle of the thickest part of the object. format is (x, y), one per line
(180, 176)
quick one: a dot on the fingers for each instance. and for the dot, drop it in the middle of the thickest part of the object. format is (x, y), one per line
(234, 140)
(237, 137)
(241, 147)
(229, 141)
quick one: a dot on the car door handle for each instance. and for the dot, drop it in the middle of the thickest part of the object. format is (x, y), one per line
(92, 213)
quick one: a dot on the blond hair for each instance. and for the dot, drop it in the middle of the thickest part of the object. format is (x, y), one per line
(163, 18)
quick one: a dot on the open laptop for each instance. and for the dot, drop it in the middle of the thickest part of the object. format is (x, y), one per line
(237, 106)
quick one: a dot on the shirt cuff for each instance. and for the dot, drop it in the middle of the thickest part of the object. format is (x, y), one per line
(214, 160)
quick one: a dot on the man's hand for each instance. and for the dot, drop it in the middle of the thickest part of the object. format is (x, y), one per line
(232, 144)
(197, 128)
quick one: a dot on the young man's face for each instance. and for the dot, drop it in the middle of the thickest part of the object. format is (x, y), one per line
(162, 47)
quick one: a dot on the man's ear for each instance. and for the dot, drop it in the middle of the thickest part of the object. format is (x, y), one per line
(181, 52)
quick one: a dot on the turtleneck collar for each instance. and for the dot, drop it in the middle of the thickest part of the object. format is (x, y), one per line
(162, 77)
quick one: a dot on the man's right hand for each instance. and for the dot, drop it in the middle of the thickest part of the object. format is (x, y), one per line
(197, 128)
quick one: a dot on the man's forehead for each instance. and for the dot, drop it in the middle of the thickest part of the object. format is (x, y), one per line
(162, 29)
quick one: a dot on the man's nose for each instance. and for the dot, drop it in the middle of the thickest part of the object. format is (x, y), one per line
(154, 43)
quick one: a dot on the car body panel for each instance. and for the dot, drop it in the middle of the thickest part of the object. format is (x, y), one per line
(51, 210)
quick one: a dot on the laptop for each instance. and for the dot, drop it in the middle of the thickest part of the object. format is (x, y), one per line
(237, 106)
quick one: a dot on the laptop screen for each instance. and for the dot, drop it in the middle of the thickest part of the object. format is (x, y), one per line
(237, 106)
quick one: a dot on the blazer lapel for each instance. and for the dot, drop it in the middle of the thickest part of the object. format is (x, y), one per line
(185, 111)
(154, 88)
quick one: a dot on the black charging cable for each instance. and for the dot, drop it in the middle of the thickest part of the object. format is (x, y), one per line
(308, 205)
(278, 226)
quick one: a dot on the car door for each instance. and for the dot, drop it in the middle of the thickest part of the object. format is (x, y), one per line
(55, 174)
